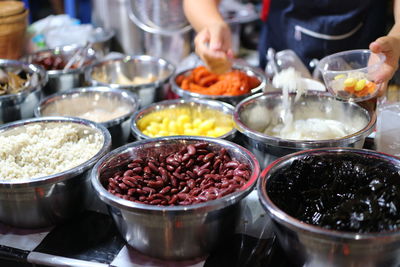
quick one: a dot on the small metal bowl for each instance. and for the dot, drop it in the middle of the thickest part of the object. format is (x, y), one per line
(312, 245)
(20, 106)
(79, 101)
(257, 111)
(109, 73)
(43, 201)
(234, 100)
(202, 104)
(60, 80)
(172, 232)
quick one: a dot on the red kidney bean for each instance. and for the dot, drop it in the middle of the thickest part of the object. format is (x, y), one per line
(174, 190)
(137, 169)
(128, 182)
(165, 190)
(191, 150)
(173, 200)
(186, 157)
(201, 145)
(189, 163)
(156, 184)
(202, 172)
(192, 175)
(153, 167)
(232, 164)
(155, 202)
(128, 173)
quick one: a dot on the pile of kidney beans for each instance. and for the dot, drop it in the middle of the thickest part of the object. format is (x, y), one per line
(51, 62)
(348, 192)
(192, 175)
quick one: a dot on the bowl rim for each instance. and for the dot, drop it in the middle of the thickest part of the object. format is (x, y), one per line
(162, 105)
(297, 225)
(127, 58)
(323, 61)
(133, 99)
(91, 54)
(291, 143)
(64, 175)
(245, 68)
(33, 68)
(128, 205)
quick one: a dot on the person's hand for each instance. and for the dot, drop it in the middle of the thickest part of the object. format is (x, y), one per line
(213, 45)
(390, 47)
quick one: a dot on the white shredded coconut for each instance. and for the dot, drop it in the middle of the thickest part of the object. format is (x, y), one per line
(46, 149)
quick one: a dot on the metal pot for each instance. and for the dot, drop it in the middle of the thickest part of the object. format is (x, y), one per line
(311, 245)
(233, 100)
(172, 232)
(78, 101)
(20, 106)
(257, 111)
(43, 201)
(60, 80)
(158, 70)
(201, 105)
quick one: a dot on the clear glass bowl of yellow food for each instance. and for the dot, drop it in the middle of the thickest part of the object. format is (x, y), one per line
(190, 117)
(352, 75)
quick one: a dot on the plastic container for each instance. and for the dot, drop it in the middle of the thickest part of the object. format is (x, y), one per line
(387, 138)
(352, 75)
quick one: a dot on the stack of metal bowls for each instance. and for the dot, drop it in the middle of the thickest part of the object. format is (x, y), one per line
(253, 114)
(172, 232)
(310, 245)
(201, 105)
(21, 105)
(43, 201)
(60, 80)
(144, 75)
(86, 101)
(250, 71)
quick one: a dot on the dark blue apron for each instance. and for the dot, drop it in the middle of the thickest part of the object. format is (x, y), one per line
(316, 28)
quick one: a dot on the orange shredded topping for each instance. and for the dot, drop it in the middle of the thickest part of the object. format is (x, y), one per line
(202, 81)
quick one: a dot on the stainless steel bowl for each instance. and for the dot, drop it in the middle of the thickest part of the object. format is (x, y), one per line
(20, 106)
(43, 201)
(60, 80)
(229, 99)
(172, 232)
(110, 72)
(256, 112)
(310, 245)
(79, 101)
(199, 104)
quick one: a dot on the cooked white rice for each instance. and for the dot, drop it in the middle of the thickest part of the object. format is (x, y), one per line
(46, 149)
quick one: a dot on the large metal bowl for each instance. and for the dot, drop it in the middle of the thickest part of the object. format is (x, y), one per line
(78, 101)
(132, 67)
(21, 105)
(311, 245)
(268, 106)
(250, 71)
(60, 80)
(199, 104)
(43, 201)
(172, 232)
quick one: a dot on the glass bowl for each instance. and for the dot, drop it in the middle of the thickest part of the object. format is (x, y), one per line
(352, 75)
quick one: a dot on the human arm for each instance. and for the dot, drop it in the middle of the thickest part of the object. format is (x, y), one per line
(390, 46)
(213, 41)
